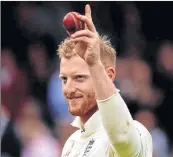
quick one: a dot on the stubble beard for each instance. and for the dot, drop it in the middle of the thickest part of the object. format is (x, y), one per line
(84, 108)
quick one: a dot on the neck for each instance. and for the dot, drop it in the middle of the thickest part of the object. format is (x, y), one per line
(85, 118)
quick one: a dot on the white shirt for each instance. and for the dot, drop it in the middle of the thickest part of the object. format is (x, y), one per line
(110, 132)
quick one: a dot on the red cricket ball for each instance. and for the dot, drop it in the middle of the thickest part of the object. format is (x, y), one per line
(72, 23)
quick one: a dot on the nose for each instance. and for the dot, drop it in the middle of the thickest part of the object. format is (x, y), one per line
(69, 88)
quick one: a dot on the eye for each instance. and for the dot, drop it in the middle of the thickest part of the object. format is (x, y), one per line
(64, 79)
(80, 78)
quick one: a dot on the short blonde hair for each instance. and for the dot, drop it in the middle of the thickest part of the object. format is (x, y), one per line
(107, 52)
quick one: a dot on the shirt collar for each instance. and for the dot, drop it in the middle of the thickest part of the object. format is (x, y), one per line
(91, 126)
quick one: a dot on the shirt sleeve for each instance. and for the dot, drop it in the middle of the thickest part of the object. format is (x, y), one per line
(119, 125)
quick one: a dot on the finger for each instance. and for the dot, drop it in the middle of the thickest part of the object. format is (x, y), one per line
(84, 39)
(81, 43)
(83, 33)
(88, 22)
(87, 14)
(88, 11)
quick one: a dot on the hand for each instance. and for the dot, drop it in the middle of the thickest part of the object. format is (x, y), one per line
(90, 38)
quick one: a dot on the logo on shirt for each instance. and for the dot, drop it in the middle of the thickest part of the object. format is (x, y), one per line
(88, 148)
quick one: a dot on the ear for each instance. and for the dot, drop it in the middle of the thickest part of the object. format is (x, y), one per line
(111, 73)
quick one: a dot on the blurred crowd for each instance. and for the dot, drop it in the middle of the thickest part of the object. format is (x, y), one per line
(34, 114)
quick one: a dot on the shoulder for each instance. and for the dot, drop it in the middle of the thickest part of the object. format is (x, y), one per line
(145, 137)
(142, 130)
(71, 140)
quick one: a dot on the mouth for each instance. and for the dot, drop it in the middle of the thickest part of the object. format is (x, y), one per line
(73, 98)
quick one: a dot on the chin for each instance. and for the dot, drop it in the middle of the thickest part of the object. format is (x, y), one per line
(77, 112)
(75, 108)
(82, 111)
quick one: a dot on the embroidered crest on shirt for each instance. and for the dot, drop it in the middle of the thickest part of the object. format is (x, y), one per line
(88, 148)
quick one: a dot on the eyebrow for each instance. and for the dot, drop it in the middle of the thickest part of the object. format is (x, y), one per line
(61, 76)
(77, 74)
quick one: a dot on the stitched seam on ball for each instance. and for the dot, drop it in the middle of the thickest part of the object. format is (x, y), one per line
(74, 21)
(80, 22)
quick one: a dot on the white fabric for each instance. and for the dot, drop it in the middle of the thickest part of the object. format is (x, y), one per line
(110, 132)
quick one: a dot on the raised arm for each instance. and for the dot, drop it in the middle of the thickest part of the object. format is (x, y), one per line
(117, 120)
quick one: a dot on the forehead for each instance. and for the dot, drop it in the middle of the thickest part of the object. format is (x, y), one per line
(73, 65)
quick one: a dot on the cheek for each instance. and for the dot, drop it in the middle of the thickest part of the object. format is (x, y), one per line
(88, 87)
(90, 96)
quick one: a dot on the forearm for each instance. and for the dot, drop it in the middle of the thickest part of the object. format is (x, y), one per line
(115, 115)
(102, 84)
(119, 126)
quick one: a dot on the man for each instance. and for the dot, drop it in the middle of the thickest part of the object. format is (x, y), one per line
(106, 127)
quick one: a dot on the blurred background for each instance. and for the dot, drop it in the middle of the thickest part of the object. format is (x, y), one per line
(34, 115)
